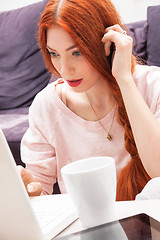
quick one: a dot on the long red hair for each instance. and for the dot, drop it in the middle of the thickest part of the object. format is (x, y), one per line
(85, 21)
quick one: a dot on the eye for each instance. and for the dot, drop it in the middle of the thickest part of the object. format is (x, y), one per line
(53, 54)
(76, 53)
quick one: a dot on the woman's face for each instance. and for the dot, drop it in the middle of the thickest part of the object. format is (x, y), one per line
(69, 62)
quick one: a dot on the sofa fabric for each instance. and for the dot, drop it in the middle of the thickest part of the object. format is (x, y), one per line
(146, 37)
(22, 69)
(138, 32)
(153, 35)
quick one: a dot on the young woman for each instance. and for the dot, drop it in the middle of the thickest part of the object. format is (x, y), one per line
(102, 104)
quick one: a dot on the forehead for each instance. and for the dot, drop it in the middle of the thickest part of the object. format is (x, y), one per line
(58, 38)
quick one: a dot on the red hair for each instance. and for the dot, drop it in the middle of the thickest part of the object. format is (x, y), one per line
(85, 21)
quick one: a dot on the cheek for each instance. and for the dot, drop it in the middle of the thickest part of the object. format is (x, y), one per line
(55, 64)
(92, 74)
(89, 70)
(87, 67)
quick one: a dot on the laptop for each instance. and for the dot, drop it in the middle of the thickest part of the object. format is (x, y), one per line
(24, 218)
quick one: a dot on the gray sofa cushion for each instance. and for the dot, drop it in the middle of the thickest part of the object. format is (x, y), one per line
(22, 69)
(138, 31)
(153, 37)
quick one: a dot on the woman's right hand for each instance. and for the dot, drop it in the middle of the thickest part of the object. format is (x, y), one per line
(33, 188)
(122, 57)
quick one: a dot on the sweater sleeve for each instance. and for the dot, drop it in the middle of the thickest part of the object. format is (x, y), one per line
(148, 82)
(37, 150)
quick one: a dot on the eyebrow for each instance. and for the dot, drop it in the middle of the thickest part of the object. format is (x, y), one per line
(68, 49)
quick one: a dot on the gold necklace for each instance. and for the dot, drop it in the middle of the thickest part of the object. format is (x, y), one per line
(109, 137)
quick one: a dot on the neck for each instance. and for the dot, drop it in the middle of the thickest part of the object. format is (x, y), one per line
(97, 97)
(101, 99)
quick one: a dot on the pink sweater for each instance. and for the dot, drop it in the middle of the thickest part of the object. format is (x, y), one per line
(57, 136)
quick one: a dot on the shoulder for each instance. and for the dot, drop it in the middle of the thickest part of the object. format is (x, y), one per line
(147, 77)
(44, 113)
(49, 94)
(146, 73)
(47, 102)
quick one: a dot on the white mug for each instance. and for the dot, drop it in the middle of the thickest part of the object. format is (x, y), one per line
(91, 183)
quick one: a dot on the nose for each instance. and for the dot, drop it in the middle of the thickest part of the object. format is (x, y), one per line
(67, 68)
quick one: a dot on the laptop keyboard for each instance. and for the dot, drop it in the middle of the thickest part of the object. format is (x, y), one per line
(54, 212)
(46, 217)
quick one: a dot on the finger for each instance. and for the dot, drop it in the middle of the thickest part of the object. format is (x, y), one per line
(107, 47)
(108, 35)
(116, 28)
(117, 38)
(25, 175)
(34, 189)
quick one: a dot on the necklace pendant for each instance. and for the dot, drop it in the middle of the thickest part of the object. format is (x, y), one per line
(109, 137)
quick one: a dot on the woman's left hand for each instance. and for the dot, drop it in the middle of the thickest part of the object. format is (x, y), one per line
(121, 62)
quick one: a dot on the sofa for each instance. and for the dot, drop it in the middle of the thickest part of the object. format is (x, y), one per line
(146, 37)
(23, 73)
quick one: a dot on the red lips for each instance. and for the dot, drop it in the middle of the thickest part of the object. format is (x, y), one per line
(74, 82)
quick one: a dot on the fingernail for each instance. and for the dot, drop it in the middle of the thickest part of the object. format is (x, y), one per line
(30, 188)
